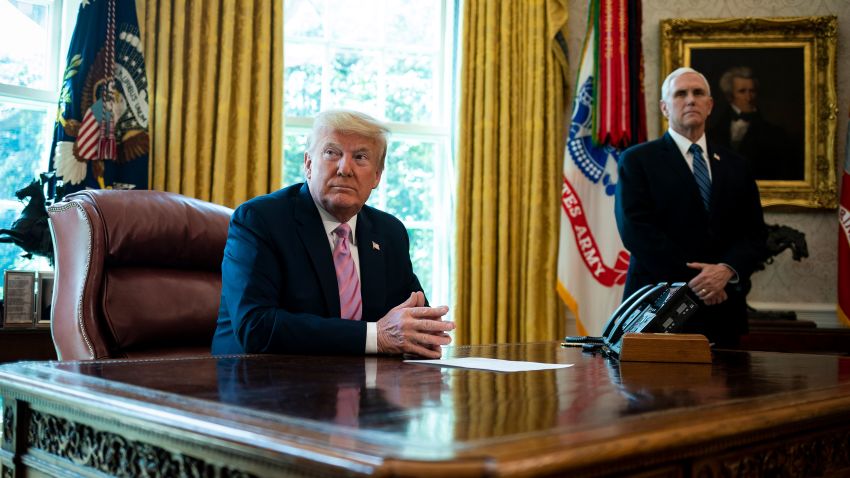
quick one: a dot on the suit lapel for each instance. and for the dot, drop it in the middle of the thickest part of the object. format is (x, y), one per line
(718, 174)
(311, 231)
(372, 266)
(679, 166)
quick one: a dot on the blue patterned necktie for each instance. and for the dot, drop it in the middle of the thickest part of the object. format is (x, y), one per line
(701, 175)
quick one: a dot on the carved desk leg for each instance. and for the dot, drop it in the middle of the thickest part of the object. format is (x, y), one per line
(15, 421)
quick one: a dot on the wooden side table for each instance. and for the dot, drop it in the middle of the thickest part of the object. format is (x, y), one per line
(26, 344)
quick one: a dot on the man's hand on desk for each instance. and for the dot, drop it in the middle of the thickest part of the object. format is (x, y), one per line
(412, 328)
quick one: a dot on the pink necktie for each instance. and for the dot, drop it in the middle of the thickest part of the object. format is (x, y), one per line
(350, 303)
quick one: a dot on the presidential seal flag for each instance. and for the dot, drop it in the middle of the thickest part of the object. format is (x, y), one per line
(844, 239)
(100, 139)
(592, 262)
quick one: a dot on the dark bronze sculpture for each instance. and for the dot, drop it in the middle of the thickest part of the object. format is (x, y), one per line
(780, 238)
(31, 231)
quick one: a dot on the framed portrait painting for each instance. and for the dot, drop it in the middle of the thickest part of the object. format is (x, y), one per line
(775, 102)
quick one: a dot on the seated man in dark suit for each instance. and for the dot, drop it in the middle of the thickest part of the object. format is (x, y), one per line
(311, 269)
(689, 211)
(768, 150)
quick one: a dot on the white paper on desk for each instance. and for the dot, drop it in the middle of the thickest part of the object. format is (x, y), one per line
(495, 365)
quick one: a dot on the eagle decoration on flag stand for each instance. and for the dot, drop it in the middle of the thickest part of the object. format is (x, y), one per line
(102, 119)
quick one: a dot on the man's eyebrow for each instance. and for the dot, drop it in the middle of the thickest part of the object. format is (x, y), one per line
(331, 144)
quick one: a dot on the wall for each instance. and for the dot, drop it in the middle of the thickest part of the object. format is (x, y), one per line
(808, 286)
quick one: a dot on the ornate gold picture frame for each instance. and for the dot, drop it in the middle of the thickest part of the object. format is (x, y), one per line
(792, 65)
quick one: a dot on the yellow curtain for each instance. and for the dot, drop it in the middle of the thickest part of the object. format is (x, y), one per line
(216, 95)
(510, 155)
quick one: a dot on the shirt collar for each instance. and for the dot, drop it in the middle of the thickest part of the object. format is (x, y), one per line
(684, 143)
(331, 223)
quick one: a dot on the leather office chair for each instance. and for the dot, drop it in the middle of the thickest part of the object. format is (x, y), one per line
(138, 274)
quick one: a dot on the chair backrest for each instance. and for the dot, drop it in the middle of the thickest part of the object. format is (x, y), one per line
(138, 274)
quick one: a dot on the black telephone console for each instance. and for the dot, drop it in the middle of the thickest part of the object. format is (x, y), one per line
(663, 307)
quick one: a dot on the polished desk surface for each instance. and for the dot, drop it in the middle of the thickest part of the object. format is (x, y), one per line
(327, 414)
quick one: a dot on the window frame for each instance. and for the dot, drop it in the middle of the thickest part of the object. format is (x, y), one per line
(441, 132)
(61, 21)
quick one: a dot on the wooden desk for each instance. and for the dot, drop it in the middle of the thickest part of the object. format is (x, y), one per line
(747, 414)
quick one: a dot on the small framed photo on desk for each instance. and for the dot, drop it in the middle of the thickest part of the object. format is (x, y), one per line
(43, 299)
(18, 298)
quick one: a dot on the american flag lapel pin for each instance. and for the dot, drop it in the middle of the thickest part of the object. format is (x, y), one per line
(716, 156)
(376, 246)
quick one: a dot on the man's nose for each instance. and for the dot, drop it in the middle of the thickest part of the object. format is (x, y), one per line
(344, 165)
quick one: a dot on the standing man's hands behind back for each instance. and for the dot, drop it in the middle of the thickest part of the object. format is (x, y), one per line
(412, 328)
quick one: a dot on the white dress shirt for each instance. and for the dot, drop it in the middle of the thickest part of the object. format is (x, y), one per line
(331, 223)
(737, 127)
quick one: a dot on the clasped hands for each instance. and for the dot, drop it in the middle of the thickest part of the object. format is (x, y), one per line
(709, 285)
(412, 328)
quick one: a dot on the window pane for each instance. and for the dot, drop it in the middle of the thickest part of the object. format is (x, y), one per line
(421, 245)
(354, 81)
(293, 158)
(410, 89)
(24, 141)
(24, 43)
(409, 179)
(303, 18)
(355, 21)
(414, 22)
(303, 80)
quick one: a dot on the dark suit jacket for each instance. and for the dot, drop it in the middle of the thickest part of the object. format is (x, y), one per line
(768, 150)
(664, 225)
(279, 291)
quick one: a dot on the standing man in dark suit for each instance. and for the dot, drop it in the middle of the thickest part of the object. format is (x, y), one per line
(689, 211)
(310, 269)
(768, 150)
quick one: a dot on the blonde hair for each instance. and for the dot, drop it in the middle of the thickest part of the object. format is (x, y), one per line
(350, 122)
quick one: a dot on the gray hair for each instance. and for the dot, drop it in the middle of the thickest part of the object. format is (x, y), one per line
(350, 122)
(744, 72)
(665, 87)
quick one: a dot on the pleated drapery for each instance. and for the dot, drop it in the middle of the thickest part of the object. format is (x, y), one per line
(216, 85)
(510, 156)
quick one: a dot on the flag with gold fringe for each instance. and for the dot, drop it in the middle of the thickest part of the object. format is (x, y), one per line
(100, 139)
(608, 115)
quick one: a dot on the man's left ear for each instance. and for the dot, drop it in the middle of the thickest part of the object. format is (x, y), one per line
(377, 179)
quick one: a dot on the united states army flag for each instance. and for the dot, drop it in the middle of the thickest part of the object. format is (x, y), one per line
(592, 261)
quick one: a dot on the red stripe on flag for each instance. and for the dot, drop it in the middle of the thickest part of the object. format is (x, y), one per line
(844, 249)
(613, 120)
(87, 137)
(844, 239)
